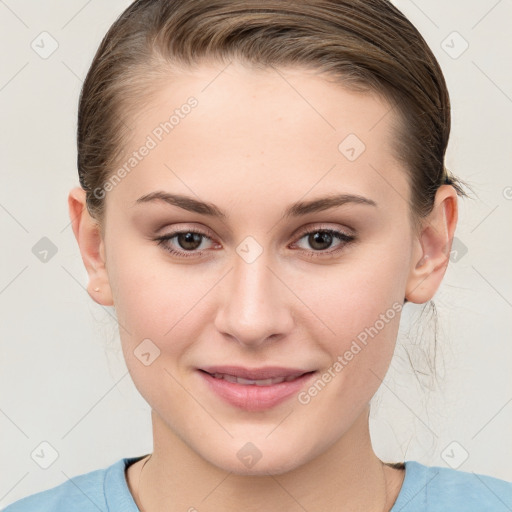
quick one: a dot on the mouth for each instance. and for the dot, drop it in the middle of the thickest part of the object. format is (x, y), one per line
(251, 382)
(267, 376)
(255, 389)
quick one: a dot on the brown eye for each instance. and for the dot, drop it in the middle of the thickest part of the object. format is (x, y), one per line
(184, 243)
(189, 240)
(320, 240)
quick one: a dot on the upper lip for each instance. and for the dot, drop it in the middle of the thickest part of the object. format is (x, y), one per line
(267, 372)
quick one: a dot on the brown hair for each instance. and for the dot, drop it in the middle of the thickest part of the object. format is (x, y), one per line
(367, 45)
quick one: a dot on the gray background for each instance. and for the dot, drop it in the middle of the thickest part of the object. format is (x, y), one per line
(62, 378)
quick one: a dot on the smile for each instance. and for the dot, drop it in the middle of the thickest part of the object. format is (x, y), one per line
(254, 389)
(250, 382)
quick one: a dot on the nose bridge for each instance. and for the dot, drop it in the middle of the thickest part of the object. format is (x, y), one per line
(254, 304)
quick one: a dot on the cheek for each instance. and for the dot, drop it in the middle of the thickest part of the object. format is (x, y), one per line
(162, 310)
(362, 308)
(357, 295)
(151, 298)
(159, 309)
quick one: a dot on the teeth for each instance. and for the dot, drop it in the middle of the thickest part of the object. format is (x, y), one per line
(251, 382)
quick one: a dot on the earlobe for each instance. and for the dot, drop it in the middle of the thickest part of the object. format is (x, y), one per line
(433, 246)
(88, 235)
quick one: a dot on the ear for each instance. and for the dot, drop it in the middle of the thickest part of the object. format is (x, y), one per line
(88, 235)
(433, 245)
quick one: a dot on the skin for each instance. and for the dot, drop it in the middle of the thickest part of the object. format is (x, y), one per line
(252, 147)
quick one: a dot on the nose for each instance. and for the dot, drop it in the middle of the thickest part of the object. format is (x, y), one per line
(255, 305)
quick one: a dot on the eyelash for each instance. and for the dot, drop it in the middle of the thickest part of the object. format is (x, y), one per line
(340, 235)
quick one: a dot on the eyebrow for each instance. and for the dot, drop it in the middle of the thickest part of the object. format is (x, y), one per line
(295, 210)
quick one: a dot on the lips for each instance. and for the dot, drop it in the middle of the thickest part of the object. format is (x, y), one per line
(253, 382)
(255, 375)
(254, 389)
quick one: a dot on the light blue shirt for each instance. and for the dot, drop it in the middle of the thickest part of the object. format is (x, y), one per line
(432, 489)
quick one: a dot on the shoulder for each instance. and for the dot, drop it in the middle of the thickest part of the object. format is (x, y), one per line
(93, 491)
(436, 488)
(82, 492)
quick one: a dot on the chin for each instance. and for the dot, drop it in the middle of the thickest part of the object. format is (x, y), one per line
(250, 461)
(274, 467)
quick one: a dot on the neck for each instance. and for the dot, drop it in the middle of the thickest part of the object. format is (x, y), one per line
(348, 476)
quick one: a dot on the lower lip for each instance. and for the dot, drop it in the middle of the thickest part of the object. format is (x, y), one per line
(252, 397)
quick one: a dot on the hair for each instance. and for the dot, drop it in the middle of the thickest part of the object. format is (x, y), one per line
(366, 45)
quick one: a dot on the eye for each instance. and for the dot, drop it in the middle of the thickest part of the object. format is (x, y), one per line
(321, 241)
(188, 243)
(185, 243)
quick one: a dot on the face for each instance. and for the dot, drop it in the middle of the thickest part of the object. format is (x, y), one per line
(255, 319)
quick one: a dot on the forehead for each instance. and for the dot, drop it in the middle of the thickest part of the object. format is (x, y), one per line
(260, 130)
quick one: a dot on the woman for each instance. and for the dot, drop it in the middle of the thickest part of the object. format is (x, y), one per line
(262, 190)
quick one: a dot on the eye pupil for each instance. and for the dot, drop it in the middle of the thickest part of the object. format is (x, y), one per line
(189, 241)
(320, 237)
